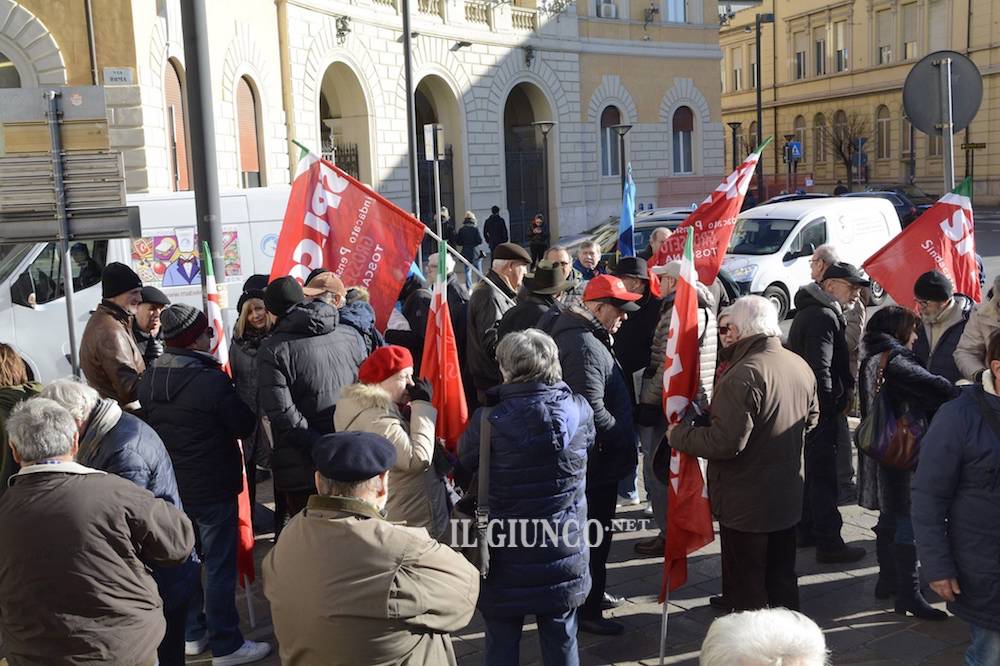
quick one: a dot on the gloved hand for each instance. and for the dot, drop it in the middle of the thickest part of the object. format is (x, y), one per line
(648, 415)
(421, 390)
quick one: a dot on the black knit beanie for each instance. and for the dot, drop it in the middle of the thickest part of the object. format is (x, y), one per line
(933, 286)
(118, 278)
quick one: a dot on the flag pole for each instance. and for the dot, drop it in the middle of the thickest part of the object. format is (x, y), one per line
(663, 618)
(251, 614)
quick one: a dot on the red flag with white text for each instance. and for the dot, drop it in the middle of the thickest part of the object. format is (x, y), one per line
(942, 239)
(689, 516)
(337, 222)
(713, 222)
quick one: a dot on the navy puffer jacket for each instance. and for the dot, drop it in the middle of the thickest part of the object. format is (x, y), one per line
(538, 469)
(956, 505)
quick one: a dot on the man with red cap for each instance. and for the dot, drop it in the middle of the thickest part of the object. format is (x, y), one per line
(192, 405)
(583, 334)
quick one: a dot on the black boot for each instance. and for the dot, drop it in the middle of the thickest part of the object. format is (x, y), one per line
(908, 597)
(885, 586)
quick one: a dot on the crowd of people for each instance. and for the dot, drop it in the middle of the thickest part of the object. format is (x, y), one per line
(135, 473)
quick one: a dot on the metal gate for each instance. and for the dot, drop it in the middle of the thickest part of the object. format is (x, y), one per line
(345, 156)
(525, 191)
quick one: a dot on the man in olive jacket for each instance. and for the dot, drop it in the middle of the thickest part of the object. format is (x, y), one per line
(416, 591)
(762, 407)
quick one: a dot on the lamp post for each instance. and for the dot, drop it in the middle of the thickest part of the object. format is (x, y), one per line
(545, 126)
(758, 20)
(735, 126)
(622, 130)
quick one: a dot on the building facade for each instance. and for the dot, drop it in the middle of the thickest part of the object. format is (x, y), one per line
(328, 74)
(832, 73)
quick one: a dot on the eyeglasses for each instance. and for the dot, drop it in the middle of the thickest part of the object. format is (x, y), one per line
(724, 330)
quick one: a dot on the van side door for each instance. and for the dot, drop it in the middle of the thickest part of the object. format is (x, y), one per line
(796, 261)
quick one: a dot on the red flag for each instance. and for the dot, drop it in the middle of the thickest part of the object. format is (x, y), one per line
(245, 573)
(689, 516)
(942, 240)
(440, 363)
(713, 222)
(335, 221)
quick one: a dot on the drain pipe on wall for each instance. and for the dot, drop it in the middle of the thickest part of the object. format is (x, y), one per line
(91, 42)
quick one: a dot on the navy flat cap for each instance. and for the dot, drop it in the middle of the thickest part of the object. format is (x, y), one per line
(353, 456)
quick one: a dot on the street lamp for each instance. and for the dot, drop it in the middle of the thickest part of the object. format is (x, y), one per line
(735, 126)
(545, 126)
(758, 20)
(622, 130)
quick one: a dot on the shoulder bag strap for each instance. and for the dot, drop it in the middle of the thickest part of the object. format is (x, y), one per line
(483, 492)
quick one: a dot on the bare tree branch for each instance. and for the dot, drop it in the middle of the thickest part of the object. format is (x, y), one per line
(842, 139)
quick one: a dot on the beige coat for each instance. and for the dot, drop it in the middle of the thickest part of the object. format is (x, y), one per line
(416, 493)
(970, 354)
(347, 588)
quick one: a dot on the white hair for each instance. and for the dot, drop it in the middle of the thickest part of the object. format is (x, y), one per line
(529, 356)
(768, 637)
(827, 254)
(74, 396)
(499, 264)
(39, 429)
(754, 315)
(589, 243)
(449, 263)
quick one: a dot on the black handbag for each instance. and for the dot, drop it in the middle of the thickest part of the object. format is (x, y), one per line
(472, 512)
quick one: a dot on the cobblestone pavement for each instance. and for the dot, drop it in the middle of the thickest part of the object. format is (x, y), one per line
(859, 629)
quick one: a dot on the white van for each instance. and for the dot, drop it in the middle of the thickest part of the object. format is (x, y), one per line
(771, 244)
(32, 304)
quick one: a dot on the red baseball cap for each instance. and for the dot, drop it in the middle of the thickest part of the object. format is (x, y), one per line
(611, 289)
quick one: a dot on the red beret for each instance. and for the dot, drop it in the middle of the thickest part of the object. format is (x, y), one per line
(383, 363)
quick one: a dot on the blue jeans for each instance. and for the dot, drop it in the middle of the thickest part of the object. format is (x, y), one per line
(984, 649)
(656, 492)
(213, 608)
(469, 275)
(556, 633)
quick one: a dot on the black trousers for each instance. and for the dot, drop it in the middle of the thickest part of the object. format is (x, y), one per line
(602, 501)
(821, 518)
(758, 569)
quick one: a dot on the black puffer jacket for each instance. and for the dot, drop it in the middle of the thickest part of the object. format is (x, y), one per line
(591, 370)
(941, 361)
(243, 363)
(634, 340)
(303, 366)
(817, 335)
(192, 406)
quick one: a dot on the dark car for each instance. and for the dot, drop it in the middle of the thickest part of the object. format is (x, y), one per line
(905, 209)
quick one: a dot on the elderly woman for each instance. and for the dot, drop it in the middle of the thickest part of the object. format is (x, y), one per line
(14, 387)
(388, 402)
(889, 363)
(540, 433)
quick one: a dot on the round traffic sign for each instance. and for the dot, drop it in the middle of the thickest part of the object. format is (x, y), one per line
(922, 92)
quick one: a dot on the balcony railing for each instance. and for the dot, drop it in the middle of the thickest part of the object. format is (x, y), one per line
(477, 12)
(522, 18)
(488, 14)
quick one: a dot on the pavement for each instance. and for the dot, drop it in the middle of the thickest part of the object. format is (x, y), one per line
(859, 629)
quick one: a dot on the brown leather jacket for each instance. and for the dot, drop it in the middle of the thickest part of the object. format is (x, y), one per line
(109, 357)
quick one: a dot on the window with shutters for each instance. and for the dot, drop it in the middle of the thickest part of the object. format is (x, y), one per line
(752, 132)
(819, 138)
(737, 69)
(911, 30)
(934, 145)
(676, 11)
(682, 126)
(882, 133)
(840, 46)
(175, 101)
(753, 66)
(906, 137)
(247, 119)
(819, 50)
(884, 32)
(799, 127)
(609, 141)
(938, 25)
(799, 42)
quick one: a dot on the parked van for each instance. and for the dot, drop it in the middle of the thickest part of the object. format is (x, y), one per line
(32, 300)
(771, 244)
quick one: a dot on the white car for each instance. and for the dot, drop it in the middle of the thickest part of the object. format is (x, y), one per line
(771, 244)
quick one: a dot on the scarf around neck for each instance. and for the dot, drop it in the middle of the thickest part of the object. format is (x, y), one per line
(105, 416)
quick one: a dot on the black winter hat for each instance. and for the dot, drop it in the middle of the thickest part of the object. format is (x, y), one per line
(256, 282)
(182, 324)
(154, 296)
(634, 267)
(353, 456)
(933, 286)
(246, 296)
(118, 278)
(282, 295)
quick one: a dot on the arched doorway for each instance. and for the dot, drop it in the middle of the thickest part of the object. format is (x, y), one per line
(9, 77)
(526, 181)
(345, 123)
(435, 102)
(175, 106)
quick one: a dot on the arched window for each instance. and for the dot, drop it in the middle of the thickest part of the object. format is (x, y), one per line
(177, 140)
(752, 136)
(799, 127)
(9, 78)
(882, 133)
(609, 142)
(819, 138)
(682, 126)
(247, 119)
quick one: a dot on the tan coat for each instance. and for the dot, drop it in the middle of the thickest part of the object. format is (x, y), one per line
(970, 354)
(416, 493)
(348, 589)
(763, 406)
(109, 357)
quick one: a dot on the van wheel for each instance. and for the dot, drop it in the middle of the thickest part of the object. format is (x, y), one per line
(875, 294)
(776, 294)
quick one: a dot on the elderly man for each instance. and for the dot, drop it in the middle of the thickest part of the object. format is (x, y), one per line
(146, 325)
(656, 239)
(944, 315)
(588, 260)
(490, 299)
(74, 581)
(355, 319)
(543, 288)
(559, 257)
(818, 335)
(761, 409)
(583, 336)
(109, 356)
(415, 591)
(855, 314)
(768, 636)
(119, 443)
